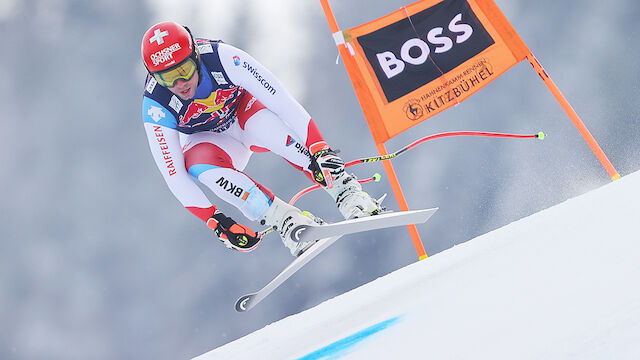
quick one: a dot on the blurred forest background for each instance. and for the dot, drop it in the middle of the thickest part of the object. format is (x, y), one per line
(98, 260)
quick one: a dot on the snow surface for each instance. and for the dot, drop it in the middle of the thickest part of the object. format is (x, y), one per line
(502, 295)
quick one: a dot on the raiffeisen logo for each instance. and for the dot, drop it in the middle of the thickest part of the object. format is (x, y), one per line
(416, 51)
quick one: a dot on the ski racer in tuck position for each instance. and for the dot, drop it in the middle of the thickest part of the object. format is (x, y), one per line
(207, 106)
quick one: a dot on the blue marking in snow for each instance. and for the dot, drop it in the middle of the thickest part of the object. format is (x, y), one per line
(341, 347)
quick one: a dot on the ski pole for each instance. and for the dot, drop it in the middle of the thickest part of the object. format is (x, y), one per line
(376, 177)
(539, 135)
(265, 232)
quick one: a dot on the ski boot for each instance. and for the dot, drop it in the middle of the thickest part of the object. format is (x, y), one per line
(328, 170)
(284, 218)
(352, 201)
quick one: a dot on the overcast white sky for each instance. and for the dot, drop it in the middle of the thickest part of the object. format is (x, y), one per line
(247, 24)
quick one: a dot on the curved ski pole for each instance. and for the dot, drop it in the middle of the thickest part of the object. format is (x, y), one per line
(376, 177)
(540, 135)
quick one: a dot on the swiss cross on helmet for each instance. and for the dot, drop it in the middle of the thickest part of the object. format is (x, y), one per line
(165, 47)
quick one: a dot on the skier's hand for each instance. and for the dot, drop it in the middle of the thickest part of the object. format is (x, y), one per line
(233, 235)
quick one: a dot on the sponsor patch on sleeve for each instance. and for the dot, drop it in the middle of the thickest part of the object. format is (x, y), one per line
(205, 48)
(219, 78)
(151, 85)
(175, 104)
(153, 112)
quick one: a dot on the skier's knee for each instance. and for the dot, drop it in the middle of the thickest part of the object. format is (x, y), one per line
(256, 203)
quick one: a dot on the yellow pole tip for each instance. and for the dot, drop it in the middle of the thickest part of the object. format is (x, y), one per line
(422, 257)
(615, 177)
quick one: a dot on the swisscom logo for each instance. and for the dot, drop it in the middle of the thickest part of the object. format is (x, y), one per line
(413, 52)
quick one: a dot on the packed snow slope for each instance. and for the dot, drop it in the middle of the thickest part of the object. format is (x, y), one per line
(560, 284)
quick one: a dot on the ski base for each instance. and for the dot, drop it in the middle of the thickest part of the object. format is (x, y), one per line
(247, 302)
(330, 233)
(308, 233)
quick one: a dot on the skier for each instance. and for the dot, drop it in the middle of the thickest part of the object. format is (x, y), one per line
(207, 106)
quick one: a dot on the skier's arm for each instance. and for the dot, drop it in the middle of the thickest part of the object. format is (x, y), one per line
(164, 142)
(243, 70)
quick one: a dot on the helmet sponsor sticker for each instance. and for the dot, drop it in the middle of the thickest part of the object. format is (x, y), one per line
(165, 55)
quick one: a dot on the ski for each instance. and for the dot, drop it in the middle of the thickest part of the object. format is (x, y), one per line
(307, 233)
(330, 233)
(246, 302)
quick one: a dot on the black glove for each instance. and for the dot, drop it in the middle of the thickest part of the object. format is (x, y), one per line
(233, 235)
(325, 166)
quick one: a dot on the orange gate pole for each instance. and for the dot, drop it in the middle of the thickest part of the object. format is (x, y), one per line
(591, 141)
(370, 113)
(402, 202)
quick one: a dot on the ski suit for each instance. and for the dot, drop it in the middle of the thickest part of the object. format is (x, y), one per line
(239, 108)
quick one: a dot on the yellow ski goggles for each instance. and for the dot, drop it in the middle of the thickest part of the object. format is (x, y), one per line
(183, 71)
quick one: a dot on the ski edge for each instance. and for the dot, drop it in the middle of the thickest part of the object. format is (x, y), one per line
(248, 301)
(419, 216)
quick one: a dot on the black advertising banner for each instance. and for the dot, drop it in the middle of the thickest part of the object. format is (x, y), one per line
(418, 49)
